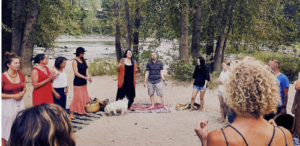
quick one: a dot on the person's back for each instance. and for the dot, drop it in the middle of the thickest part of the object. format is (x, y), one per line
(256, 132)
(252, 93)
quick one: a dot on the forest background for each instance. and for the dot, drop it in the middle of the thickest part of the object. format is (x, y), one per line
(208, 28)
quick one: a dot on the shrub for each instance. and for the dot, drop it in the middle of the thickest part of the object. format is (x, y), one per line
(289, 65)
(103, 66)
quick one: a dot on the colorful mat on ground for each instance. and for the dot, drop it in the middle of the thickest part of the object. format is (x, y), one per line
(83, 120)
(186, 106)
(144, 108)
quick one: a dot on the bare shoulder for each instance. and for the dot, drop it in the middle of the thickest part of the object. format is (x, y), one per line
(287, 134)
(216, 137)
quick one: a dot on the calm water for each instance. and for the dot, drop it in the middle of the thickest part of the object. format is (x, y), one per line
(84, 43)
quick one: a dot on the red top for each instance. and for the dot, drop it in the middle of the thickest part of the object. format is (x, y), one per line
(11, 88)
(43, 94)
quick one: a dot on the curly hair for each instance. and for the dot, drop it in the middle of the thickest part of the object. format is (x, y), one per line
(252, 89)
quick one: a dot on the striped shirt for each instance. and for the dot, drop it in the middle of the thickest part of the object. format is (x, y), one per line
(154, 71)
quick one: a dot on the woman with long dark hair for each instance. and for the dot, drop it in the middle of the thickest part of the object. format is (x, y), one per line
(127, 69)
(81, 96)
(13, 90)
(201, 76)
(41, 81)
(60, 84)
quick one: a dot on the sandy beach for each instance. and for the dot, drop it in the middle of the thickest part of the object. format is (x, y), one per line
(136, 129)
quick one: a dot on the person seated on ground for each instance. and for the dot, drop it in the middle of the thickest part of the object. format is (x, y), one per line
(252, 93)
(42, 125)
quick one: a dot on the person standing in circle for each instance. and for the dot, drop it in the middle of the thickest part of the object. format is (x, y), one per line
(221, 89)
(13, 90)
(127, 69)
(41, 81)
(81, 96)
(201, 76)
(60, 84)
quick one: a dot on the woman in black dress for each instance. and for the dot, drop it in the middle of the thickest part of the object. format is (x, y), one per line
(127, 69)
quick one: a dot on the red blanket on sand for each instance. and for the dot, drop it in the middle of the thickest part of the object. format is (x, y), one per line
(144, 108)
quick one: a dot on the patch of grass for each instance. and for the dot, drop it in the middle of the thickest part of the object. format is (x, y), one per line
(103, 66)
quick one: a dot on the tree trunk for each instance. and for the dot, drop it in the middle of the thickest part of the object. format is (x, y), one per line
(225, 42)
(220, 45)
(196, 30)
(27, 42)
(128, 34)
(6, 35)
(118, 34)
(183, 44)
(17, 27)
(218, 53)
(210, 43)
(137, 25)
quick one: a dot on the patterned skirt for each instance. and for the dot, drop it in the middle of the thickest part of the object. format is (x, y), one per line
(81, 98)
(297, 116)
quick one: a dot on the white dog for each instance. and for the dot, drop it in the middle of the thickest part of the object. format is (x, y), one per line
(117, 106)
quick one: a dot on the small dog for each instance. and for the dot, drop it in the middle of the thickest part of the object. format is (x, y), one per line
(117, 106)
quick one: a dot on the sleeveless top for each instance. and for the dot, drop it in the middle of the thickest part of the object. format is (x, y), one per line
(245, 139)
(81, 70)
(61, 81)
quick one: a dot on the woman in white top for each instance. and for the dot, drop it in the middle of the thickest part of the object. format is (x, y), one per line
(60, 84)
(221, 89)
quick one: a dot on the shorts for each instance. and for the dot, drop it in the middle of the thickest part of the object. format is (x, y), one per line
(220, 93)
(199, 88)
(155, 87)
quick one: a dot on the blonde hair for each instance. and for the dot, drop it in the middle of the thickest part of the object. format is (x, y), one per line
(251, 89)
(42, 125)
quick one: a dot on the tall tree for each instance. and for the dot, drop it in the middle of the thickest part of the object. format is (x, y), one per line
(137, 25)
(28, 40)
(118, 33)
(221, 39)
(196, 29)
(128, 26)
(6, 30)
(183, 44)
(17, 26)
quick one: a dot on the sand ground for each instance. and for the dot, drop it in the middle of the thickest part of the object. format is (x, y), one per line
(139, 129)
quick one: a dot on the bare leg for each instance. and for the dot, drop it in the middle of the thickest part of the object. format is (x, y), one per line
(72, 116)
(3, 141)
(201, 100)
(152, 101)
(221, 108)
(194, 94)
(224, 107)
(163, 102)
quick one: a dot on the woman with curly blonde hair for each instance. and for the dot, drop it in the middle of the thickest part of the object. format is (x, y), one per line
(252, 93)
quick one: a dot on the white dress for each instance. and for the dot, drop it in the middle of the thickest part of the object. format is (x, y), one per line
(10, 109)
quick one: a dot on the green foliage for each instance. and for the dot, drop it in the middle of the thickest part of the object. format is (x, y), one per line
(289, 65)
(103, 66)
(212, 84)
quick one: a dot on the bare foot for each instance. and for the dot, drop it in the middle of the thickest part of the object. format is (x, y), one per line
(190, 110)
(87, 114)
(221, 120)
(165, 107)
(200, 111)
(72, 118)
(152, 106)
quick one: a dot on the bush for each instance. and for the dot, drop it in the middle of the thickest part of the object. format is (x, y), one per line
(103, 66)
(289, 65)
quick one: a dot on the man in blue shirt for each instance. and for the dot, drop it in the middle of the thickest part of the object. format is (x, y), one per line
(284, 85)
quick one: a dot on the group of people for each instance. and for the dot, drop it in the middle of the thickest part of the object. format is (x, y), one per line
(250, 89)
(51, 85)
(255, 92)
